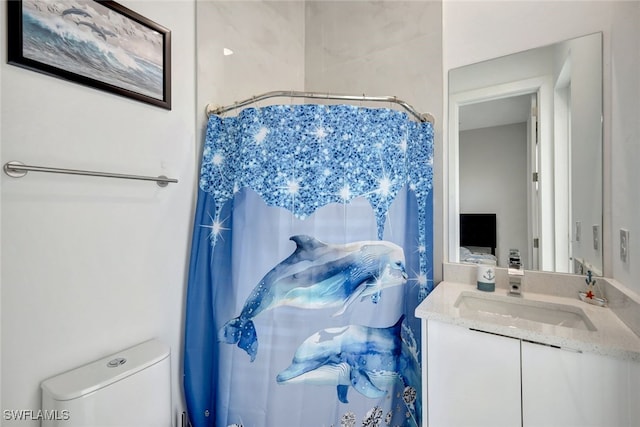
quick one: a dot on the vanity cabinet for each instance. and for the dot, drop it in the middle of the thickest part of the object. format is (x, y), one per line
(473, 378)
(476, 379)
(564, 388)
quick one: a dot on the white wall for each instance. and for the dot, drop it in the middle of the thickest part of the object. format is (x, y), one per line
(586, 155)
(476, 31)
(376, 48)
(267, 39)
(94, 265)
(624, 206)
(486, 188)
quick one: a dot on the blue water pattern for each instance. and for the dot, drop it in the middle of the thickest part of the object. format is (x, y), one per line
(89, 55)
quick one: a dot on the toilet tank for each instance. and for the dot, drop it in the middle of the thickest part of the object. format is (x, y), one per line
(131, 388)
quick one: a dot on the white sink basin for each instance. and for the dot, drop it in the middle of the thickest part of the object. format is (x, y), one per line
(497, 307)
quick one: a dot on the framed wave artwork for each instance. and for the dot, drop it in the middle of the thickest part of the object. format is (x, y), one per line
(97, 43)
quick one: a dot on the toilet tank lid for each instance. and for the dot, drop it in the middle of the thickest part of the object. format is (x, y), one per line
(99, 374)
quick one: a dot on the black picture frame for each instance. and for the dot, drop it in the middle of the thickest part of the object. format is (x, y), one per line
(97, 43)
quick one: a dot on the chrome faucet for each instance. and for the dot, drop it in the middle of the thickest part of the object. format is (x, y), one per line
(516, 279)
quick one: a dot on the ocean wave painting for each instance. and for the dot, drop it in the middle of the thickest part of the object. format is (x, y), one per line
(89, 39)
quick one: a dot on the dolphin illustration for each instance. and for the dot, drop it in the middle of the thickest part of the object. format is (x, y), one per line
(94, 28)
(371, 360)
(75, 11)
(318, 275)
(108, 33)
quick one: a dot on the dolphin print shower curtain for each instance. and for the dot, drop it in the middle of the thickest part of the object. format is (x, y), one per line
(311, 250)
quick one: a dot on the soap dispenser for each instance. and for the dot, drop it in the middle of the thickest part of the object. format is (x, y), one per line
(486, 276)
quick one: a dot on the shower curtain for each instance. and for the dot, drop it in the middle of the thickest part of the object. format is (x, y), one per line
(311, 249)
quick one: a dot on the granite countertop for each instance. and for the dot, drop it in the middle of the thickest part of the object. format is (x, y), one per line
(612, 336)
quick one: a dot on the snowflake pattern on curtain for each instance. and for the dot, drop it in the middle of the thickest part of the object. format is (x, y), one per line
(354, 152)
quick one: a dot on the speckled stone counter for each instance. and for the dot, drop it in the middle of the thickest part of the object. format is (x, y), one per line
(612, 336)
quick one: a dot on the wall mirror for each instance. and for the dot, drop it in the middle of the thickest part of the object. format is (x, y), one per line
(525, 158)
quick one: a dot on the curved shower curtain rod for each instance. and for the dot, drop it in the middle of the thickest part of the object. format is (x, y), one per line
(216, 109)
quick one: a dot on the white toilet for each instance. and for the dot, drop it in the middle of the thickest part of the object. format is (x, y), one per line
(131, 388)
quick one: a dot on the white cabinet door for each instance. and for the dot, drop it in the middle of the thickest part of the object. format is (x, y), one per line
(565, 389)
(473, 378)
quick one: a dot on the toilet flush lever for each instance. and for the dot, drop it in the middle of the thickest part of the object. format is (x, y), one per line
(114, 363)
